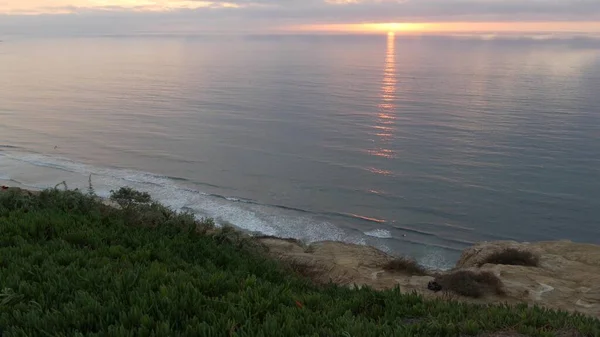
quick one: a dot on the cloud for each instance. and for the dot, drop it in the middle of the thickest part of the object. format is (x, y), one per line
(439, 10)
(259, 15)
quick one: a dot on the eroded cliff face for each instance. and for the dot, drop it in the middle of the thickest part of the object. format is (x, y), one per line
(567, 276)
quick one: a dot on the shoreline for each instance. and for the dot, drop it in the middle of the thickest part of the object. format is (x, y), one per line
(567, 276)
(271, 219)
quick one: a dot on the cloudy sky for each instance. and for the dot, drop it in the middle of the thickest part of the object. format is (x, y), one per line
(250, 16)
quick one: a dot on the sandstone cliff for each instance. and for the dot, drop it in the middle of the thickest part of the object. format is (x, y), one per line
(567, 275)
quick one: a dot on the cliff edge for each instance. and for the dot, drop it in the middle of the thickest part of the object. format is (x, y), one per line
(563, 275)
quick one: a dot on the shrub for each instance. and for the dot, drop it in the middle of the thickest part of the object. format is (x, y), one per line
(15, 199)
(405, 265)
(514, 257)
(138, 209)
(91, 191)
(126, 197)
(470, 284)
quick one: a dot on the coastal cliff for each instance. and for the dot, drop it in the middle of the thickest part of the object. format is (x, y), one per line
(67, 258)
(567, 275)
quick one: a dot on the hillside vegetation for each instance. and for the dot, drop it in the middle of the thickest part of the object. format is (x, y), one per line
(72, 266)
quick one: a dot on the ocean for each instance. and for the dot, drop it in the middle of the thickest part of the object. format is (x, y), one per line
(419, 146)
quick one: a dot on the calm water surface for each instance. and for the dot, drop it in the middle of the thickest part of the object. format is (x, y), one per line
(417, 146)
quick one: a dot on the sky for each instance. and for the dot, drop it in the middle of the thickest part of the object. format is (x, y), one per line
(295, 16)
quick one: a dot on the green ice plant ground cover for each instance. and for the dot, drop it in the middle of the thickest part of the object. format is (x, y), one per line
(72, 266)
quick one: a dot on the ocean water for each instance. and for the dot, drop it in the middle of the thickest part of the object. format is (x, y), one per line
(417, 146)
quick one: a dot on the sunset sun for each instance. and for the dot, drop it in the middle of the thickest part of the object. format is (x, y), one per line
(393, 27)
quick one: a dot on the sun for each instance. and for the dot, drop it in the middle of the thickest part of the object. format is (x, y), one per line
(394, 27)
(367, 28)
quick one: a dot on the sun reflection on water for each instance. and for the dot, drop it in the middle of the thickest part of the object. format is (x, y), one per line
(386, 116)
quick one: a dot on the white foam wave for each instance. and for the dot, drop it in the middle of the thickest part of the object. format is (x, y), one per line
(47, 171)
(379, 233)
(75, 167)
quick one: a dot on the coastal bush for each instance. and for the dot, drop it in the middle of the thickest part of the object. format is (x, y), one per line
(514, 257)
(71, 266)
(405, 265)
(126, 197)
(138, 209)
(471, 284)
